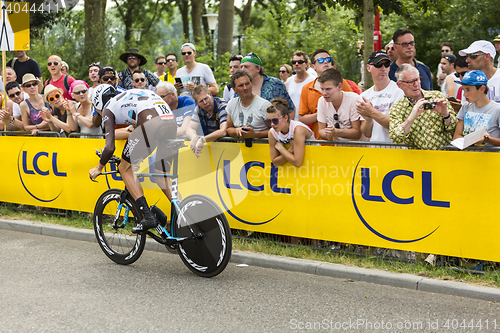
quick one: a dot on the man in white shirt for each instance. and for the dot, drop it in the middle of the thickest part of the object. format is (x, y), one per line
(337, 115)
(375, 103)
(480, 55)
(246, 114)
(194, 73)
(294, 84)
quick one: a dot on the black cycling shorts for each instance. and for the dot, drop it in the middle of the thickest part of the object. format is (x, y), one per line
(146, 138)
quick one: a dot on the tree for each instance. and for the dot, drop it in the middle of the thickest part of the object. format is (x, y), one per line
(137, 15)
(245, 14)
(196, 12)
(184, 9)
(95, 41)
(226, 23)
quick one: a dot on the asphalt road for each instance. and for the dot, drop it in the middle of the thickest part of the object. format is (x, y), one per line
(51, 284)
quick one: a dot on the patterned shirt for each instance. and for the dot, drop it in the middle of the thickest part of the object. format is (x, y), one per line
(211, 123)
(126, 79)
(428, 131)
(273, 88)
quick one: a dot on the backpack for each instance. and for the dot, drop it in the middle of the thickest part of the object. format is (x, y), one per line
(66, 84)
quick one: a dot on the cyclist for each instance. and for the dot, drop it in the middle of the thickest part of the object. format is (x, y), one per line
(153, 123)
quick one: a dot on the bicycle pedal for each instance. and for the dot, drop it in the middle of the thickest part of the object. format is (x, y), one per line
(172, 248)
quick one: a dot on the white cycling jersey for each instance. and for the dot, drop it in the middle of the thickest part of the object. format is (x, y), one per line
(127, 106)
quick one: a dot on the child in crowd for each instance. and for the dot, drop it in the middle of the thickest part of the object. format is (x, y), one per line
(479, 112)
(285, 131)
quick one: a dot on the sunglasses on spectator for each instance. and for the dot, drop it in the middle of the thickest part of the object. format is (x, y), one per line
(171, 60)
(445, 51)
(162, 63)
(50, 63)
(459, 74)
(412, 82)
(188, 53)
(32, 84)
(336, 118)
(141, 79)
(405, 45)
(95, 64)
(298, 62)
(108, 78)
(53, 97)
(273, 121)
(283, 71)
(322, 60)
(475, 55)
(83, 91)
(389, 48)
(131, 57)
(386, 64)
(15, 94)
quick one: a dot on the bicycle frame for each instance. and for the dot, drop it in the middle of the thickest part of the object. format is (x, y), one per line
(166, 237)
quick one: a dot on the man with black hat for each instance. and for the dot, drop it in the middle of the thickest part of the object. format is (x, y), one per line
(375, 103)
(134, 60)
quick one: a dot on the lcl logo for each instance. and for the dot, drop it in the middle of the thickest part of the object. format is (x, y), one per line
(29, 165)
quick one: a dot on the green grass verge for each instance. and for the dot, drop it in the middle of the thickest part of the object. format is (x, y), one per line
(490, 276)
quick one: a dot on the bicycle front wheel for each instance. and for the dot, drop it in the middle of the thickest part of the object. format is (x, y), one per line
(113, 227)
(208, 249)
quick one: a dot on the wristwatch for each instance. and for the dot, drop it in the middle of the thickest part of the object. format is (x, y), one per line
(12, 120)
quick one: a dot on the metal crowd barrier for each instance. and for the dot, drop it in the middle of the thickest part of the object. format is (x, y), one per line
(86, 135)
(28, 133)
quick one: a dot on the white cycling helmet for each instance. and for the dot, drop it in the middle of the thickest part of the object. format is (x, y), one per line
(102, 94)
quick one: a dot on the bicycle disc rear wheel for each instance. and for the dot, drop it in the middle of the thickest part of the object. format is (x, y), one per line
(208, 253)
(113, 228)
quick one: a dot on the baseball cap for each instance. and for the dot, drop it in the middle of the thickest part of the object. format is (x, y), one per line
(479, 46)
(188, 45)
(377, 57)
(497, 38)
(450, 57)
(253, 58)
(474, 78)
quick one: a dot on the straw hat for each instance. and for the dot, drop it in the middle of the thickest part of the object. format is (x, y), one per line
(28, 78)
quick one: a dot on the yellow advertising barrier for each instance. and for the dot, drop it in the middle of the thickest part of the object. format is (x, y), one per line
(440, 202)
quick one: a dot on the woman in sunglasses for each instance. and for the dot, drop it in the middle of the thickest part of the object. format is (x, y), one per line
(285, 132)
(31, 108)
(79, 90)
(285, 72)
(62, 120)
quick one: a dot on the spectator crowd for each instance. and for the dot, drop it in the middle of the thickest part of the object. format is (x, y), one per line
(308, 99)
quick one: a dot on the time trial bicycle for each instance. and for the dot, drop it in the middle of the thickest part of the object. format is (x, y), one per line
(198, 232)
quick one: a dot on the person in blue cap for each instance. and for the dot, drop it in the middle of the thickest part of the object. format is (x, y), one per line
(479, 112)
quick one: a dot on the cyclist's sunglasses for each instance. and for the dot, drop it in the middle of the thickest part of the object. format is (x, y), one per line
(322, 60)
(53, 97)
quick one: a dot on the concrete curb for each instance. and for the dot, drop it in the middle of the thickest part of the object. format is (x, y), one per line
(407, 281)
